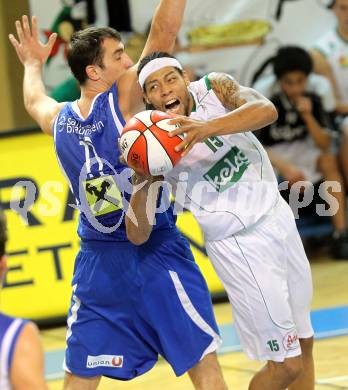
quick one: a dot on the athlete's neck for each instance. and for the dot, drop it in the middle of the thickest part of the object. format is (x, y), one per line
(88, 94)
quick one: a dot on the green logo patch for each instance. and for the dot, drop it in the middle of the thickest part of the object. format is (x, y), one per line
(228, 170)
(102, 195)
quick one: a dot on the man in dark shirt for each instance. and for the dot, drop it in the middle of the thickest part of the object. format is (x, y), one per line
(299, 142)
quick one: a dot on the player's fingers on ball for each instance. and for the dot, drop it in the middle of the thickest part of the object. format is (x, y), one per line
(26, 27)
(180, 130)
(181, 146)
(186, 151)
(177, 120)
(188, 148)
(175, 132)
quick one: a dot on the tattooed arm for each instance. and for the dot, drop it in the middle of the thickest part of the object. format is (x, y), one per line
(249, 110)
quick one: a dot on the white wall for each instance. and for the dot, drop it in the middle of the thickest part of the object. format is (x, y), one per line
(303, 21)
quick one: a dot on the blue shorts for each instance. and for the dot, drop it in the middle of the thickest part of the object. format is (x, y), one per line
(130, 304)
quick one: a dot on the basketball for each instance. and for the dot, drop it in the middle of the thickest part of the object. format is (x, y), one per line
(146, 146)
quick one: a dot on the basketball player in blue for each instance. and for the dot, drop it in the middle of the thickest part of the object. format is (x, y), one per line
(21, 356)
(130, 303)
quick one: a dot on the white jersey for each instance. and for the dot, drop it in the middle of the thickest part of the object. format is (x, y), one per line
(10, 329)
(228, 182)
(335, 49)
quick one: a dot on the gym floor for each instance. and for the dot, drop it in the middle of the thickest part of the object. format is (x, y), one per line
(330, 320)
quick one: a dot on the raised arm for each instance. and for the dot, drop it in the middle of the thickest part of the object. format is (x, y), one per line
(164, 28)
(33, 55)
(249, 110)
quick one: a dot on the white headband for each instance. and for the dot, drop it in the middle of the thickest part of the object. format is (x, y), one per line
(155, 65)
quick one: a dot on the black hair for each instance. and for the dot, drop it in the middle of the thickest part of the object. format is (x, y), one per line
(331, 4)
(292, 58)
(152, 56)
(86, 49)
(3, 233)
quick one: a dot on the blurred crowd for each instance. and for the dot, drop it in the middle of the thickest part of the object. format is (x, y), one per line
(308, 143)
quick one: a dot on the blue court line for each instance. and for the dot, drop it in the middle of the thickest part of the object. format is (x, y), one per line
(327, 323)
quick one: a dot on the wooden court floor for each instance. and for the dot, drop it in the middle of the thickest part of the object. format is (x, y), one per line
(330, 280)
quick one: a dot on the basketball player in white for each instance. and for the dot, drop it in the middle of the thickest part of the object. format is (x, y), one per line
(226, 179)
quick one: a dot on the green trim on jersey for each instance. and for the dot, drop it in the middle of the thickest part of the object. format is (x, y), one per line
(194, 108)
(207, 82)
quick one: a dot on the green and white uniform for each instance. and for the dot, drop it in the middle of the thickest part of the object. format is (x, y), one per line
(251, 238)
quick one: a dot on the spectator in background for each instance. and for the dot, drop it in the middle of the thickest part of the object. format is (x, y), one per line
(22, 363)
(268, 85)
(330, 57)
(299, 142)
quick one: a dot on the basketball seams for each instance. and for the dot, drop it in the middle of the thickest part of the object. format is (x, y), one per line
(163, 146)
(144, 118)
(163, 126)
(126, 137)
(153, 152)
(134, 125)
(142, 136)
(147, 154)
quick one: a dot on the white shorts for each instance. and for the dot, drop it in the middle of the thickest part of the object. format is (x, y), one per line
(267, 277)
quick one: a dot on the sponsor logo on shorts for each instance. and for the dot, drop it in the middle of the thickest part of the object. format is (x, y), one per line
(290, 340)
(228, 170)
(105, 361)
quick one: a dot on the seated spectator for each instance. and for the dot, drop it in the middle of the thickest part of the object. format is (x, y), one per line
(330, 57)
(21, 363)
(299, 142)
(268, 85)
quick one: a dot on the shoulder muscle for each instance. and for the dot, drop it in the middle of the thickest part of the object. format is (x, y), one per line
(231, 94)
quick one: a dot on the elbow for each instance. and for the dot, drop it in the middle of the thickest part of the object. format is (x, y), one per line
(272, 113)
(28, 105)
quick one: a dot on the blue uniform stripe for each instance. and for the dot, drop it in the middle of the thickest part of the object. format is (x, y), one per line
(116, 106)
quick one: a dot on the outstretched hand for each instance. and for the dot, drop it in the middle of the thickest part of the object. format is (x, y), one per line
(194, 131)
(28, 46)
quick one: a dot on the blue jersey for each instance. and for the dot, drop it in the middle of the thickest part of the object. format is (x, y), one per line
(87, 151)
(10, 329)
